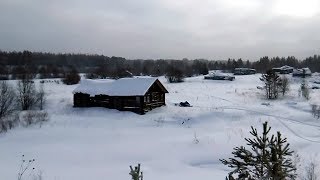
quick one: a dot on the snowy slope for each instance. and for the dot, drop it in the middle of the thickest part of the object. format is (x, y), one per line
(99, 143)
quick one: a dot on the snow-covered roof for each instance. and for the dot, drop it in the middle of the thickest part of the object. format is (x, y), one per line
(121, 87)
(285, 67)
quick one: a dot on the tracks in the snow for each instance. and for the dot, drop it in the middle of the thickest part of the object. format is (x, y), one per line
(280, 118)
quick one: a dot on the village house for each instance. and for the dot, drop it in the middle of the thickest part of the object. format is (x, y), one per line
(243, 71)
(283, 70)
(303, 72)
(138, 95)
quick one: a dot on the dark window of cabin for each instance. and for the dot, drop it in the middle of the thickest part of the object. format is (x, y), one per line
(147, 98)
(155, 97)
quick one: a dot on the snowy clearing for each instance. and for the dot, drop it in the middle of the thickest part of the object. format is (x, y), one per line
(99, 143)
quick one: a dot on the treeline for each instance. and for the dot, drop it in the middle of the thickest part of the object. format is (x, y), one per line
(49, 65)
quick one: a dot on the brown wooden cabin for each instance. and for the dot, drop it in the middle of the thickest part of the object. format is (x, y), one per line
(138, 95)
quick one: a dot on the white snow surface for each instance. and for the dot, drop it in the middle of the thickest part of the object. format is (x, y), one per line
(137, 86)
(170, 142)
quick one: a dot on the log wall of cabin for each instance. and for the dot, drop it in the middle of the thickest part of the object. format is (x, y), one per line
(81, 100)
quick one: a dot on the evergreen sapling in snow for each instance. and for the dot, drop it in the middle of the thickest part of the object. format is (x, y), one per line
(269, 158)
(135, 173)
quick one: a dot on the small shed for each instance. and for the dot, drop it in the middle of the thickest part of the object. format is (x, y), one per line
(138, 95)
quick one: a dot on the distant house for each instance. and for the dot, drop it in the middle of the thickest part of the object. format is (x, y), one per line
(138, 95)
(243, 71)
(219, 76)
(303, 72)
(283, 70)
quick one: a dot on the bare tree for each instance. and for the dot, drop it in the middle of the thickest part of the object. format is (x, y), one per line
(311, 172)
(27, 94)
(7, 98)
(284, 85)
(315, 109)
(305, 89)
(41, 96)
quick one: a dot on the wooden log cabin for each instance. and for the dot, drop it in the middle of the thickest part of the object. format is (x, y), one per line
(138, 95)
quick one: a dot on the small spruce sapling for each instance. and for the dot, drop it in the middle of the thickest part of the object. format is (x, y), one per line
(135, 173)
(269, 158)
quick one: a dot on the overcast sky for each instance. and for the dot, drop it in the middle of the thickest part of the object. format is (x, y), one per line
(212, 29)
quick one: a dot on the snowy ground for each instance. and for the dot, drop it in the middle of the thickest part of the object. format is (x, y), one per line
(98, 143)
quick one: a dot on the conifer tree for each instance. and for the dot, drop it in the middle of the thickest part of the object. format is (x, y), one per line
(269, 158)
(135, 173)
(280, 166)
(272, 82)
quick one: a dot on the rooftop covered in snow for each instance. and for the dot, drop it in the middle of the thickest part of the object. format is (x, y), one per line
(137, 86)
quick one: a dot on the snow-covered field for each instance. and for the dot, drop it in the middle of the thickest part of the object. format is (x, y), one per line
(99, 143)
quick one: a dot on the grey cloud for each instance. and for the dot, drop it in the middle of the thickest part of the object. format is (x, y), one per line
(156, 29)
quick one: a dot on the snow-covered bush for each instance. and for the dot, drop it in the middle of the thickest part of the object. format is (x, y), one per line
(9, 122)
(34, 117)
(284, 85)
(305, 89)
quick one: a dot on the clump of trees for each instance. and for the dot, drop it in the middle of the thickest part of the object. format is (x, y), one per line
(24, 97)
(71, 77)
(268, 157)
(50, 65)
(174, 75)
(274, 84)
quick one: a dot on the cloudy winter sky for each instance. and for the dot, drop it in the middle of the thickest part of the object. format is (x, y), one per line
(212, 29)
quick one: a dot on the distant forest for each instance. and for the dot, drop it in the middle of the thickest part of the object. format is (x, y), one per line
(50, 65)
